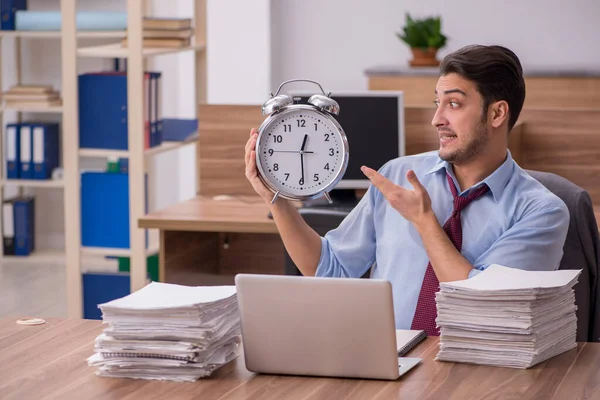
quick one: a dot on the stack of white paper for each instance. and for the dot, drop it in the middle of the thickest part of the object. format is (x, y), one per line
(168, 332)
(507, 317)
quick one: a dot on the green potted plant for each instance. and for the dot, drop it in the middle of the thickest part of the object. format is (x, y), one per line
(425, 38)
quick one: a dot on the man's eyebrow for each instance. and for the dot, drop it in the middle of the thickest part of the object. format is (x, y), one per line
(452, 91)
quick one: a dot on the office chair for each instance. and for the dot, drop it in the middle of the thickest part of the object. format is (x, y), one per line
(322, 221)
(581, 251)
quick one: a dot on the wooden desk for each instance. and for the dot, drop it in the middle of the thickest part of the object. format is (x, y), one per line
(205, 241)
(49, 362)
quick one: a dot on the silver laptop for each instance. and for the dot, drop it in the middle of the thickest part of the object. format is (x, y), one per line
(314, 326)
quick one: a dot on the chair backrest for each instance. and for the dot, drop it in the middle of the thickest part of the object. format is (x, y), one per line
(322, 220)
(581, 251)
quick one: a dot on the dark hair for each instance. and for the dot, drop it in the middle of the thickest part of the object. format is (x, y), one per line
(496, 72)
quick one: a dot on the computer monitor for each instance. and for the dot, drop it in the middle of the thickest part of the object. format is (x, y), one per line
(373, 121)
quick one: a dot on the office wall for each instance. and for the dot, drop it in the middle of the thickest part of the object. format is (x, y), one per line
(335, 41)
(239, 51)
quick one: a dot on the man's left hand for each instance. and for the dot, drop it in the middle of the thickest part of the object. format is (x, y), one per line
(414, 205)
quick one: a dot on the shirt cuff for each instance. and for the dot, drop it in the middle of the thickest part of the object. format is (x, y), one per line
(323, 266)
(474, 272)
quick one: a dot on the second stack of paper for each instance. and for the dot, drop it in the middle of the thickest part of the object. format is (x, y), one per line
(507, 317)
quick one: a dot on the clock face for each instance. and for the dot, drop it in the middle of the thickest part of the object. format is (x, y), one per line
(301, 152)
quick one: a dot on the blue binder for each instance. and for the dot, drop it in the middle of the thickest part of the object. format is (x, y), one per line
(8, 9)
(178, 129)
(105, 210)
(103, 111)
(26, 152)
(155, 112)
(13, 151)
(100, 288)
(45, 150)
(24, 219)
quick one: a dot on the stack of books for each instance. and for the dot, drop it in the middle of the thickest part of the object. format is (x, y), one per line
(507, 317)
(31, 96)
(165, 33)
(168, 332)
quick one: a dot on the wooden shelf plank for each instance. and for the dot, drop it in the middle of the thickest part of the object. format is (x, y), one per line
(107, 251)
(57, 34)
(115, 50)
(168, 146)
(100, 153)
(47, 183)
(53, 109)
(164, 147)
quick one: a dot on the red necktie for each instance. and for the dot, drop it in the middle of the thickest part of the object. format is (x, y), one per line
(426, 311)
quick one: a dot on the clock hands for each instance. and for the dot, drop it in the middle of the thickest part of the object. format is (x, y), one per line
(302, 158)
(304, 142)
(292, 151)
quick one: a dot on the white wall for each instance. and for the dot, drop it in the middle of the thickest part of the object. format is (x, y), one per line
(334, 41)
(239, 51)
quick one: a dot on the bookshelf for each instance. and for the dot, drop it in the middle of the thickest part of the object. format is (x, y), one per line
(136, 56)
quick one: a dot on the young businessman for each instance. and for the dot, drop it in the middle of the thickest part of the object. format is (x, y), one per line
(443, 215)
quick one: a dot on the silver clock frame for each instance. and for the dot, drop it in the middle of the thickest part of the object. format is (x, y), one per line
(340, 173)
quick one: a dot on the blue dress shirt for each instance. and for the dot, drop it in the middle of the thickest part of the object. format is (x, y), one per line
(517, 223)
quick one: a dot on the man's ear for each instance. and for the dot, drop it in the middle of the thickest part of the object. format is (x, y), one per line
(499, 113)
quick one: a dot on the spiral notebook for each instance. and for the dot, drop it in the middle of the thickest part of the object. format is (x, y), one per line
(407, 339)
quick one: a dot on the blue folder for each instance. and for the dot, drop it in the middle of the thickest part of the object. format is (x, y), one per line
(155, 113)
(26, 151)
(100, 288)
(8, 11)
(178, 129)
(103, 111)
(13, 151)
(24, 219)
(45, 150)
(105, 209)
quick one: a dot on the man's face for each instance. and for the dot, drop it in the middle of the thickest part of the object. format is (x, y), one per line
(459, 119)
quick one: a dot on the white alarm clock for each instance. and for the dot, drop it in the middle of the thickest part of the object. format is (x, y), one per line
(301, 151)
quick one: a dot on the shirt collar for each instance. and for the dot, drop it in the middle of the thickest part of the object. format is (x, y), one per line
(496, 181)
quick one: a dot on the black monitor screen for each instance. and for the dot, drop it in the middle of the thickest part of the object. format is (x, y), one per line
(372, 123)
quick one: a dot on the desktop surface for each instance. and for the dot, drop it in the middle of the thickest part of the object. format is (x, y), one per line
(49, 361)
